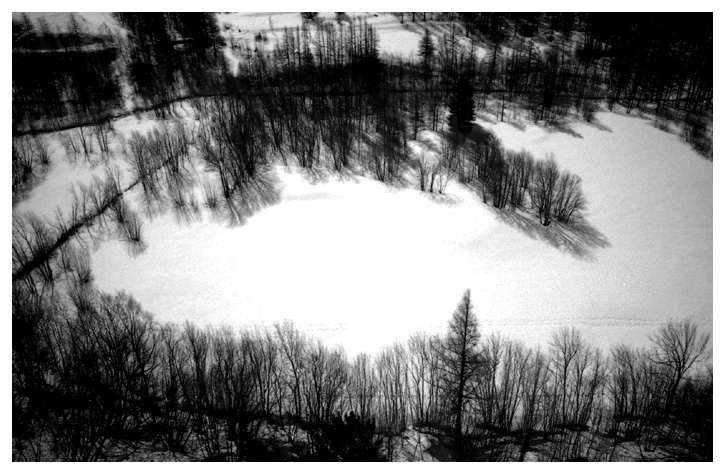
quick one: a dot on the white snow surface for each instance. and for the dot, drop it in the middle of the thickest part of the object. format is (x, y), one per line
(361, 264)
(91, 22)
(394, 39)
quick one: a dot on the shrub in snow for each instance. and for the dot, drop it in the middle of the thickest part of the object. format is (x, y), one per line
(346, 438)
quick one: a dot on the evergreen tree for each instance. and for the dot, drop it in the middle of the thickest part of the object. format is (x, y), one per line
(461, 360)
(461, 107)
(426, 52)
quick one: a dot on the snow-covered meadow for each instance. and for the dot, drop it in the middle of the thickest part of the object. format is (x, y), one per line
(362, 264)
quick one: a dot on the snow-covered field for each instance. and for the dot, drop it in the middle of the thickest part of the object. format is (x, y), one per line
(362, 264)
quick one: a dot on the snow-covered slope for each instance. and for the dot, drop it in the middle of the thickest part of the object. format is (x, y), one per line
(91, 22)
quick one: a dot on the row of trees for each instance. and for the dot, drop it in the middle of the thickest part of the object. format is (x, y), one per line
(508, 179)
(658, 58)
(80, 83)
(168, 56)
(96, 378)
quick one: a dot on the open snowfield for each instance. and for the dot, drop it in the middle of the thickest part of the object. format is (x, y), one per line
(91, 22)
(362, 264)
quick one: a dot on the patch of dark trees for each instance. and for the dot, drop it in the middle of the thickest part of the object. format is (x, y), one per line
(72, 78)
(168, 55)
(544, 63)
(60, 75)
(51, 85)
(95, 377)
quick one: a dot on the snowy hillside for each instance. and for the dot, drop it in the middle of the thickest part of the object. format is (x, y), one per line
(90, 22)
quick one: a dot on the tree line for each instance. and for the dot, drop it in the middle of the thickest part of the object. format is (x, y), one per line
(326, 92)
(59, 75)
(544, 63)
(95, 377)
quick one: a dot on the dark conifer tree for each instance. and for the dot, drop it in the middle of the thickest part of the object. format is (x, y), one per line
(461, 360)
(426, 53)
(461, 107)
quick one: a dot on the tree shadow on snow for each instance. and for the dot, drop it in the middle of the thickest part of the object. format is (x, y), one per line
(255, 195)
(440, 198)
(321, 174)
(594, 122)
(579, 238)
(561, 126)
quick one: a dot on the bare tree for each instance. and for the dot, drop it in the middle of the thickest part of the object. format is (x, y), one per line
(678, 347)
(569, 201)
(83, 133)
(103, 132)
(536, 378)
(292, 352)
(393, 397)
(511, 382)
(425, 178)
(565, 346)
(198, 388)
(520, 173)
(324, 382)
(173, 420)
(423, 384)
(362, 387)
(544, 187)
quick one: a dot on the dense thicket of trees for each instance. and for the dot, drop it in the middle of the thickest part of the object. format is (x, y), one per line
(168, 55)
(95, 377)
(49, 85)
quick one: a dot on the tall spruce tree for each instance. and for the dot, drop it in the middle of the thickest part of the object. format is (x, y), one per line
(461, 359)
(461, 107)
(426, 53)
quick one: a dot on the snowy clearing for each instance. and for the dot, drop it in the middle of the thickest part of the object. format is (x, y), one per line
(361, 264)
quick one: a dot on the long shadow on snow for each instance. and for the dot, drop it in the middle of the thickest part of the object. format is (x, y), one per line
(257, 194)
(579, 238)
(561, 126)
